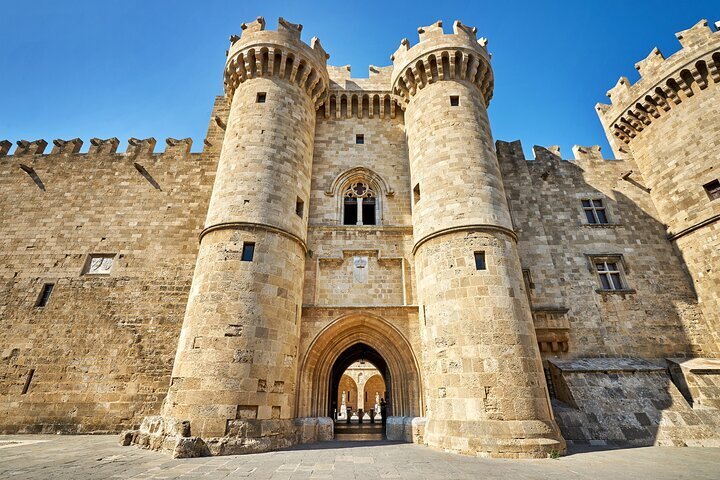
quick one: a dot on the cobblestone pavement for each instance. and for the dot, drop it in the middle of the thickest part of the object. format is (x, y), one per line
(100, 457)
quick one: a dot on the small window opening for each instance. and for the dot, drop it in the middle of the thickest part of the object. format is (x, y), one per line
(44, 295)
(360, 139)
(416, 193)
(248, 251)
(28, 379)
(594, 211)
(261, 96)
(609, 273)
(299, 207)
(454, 100)
(712, 189)
(480, 261)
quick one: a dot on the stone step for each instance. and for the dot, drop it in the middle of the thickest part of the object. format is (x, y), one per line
(354, 437)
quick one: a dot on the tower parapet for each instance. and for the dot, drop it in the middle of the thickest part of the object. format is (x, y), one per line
(439, 56)
(663, 84)
(280, 54)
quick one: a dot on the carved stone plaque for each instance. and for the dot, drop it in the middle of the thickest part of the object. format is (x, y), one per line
(360, 269)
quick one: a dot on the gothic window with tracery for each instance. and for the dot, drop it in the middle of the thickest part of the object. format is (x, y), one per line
(359, 204)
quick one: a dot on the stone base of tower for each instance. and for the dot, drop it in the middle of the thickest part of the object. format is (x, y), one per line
(496, 438)
(242, 437)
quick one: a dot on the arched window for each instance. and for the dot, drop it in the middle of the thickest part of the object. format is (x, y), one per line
(359, 204)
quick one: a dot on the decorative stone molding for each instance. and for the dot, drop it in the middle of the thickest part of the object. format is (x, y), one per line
(371, 104)
(359, 173)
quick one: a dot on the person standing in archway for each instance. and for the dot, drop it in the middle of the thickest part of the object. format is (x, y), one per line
(383, 412)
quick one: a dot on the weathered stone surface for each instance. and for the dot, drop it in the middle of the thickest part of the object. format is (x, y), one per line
(632, 402)
(366, 201)
(395, 428)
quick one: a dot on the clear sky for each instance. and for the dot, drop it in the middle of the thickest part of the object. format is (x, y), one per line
(147, 68)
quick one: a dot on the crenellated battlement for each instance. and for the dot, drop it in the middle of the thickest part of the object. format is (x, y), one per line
(98, 146)
(664, 83)
(439, 56)
(280, 54)
(552, 153)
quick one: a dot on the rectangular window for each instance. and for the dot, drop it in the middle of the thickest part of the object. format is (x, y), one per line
(609, 273)
(712, 189)
(261, 96)
(416, 193)
(594, 211)
(350, 211)
(359, 139)
(28, 379)
(368, 211)
(299, 207)
(247, 252)
(454, 100)
(44, 295)
(480, 261)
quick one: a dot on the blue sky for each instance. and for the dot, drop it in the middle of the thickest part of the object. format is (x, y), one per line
(152, 68)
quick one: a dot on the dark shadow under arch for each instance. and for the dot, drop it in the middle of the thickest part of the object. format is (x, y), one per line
(352, 354)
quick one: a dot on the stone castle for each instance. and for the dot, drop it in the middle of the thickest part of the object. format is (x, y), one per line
(209, 303)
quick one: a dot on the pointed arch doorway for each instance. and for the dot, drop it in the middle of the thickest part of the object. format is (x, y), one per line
(346, 340)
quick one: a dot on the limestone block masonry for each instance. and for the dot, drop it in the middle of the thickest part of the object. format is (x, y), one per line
(485, 388)
(241, 325)
(208, 303)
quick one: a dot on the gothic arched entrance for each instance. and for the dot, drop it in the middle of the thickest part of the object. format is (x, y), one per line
(346, 340)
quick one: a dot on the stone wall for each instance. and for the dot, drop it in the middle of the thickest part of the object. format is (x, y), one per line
(657, 315)
(669, 120)
(98, 356)
(630, 402)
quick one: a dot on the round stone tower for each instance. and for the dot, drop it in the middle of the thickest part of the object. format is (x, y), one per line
(486, 392)
(669, 121)
(236, 362)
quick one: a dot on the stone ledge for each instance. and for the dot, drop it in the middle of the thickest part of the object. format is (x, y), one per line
(605, 365)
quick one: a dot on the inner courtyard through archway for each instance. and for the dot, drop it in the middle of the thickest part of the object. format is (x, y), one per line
(359, 398)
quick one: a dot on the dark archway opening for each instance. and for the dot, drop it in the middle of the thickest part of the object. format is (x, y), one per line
(363, 353)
